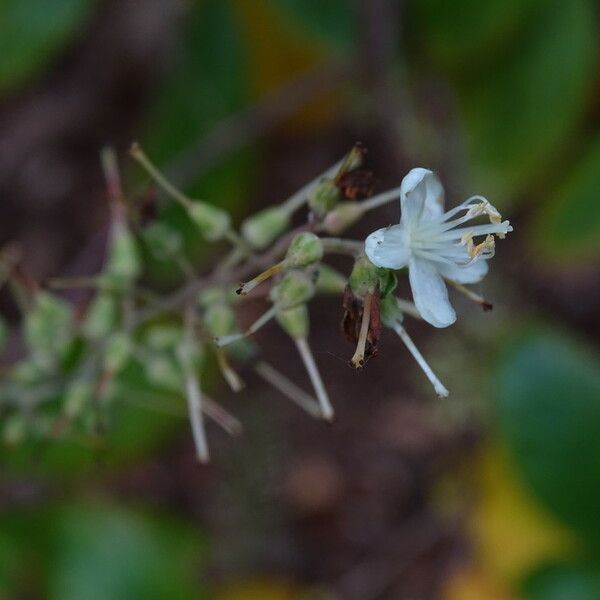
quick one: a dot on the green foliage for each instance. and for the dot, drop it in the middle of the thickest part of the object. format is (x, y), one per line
(547, 391)
(33, 33)
(569, 227)
(59, 554)
(333, 21)
(562, 581)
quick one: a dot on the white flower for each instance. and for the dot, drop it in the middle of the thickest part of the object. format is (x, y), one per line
(433, 244)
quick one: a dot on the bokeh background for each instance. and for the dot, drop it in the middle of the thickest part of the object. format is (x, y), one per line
(490, 494)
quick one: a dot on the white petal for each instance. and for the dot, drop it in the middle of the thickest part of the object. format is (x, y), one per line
(421, 195)
(388, 247)
(472, 273)
(430, 293)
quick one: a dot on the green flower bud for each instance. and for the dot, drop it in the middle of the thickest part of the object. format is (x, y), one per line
(294, 321)
(364, 277)
(213, 295)
(48, 329)
(163, 337)
(220, 320)
(341, 217)
(117, 352)
(294, 288)
(78, 395)
(265, 227)
(212, 222)
(306, 249)
(242, 350)
(123, 263)
(390, 310)
(190, 354)
(163, 241)
(100, 317)
(324, 197)
(329, 281)
(163, 372)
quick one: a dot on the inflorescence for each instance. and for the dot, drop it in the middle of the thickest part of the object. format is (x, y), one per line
(77, 360)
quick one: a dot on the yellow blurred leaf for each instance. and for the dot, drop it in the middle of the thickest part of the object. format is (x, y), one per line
(474, 584)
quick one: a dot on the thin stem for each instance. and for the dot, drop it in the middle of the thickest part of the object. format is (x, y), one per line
(342, 246)
(358, 360)
(221, 417)
(409, 308)
(230, 376)
(225, 340)
(112, 177)
(288, 388)
(380, 199)
(139, 155)
(296, 200)
(471, 295)
(437, 384)
(247, 287)
(194, 402)
(315, 378)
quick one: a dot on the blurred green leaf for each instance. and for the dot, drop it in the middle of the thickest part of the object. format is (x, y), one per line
(98, 552)
(520, 114)
(547, 392)
(569, 227)
(562, 582)
(463, 35)
(207, 83)
(333, 21)
(33, 33)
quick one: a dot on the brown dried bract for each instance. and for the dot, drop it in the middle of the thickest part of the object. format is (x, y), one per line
(357, 185)
(352, 319)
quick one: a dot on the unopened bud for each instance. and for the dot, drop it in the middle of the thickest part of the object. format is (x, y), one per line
(100, 316)
(163, 241)
(294, 321)
(306, 249)
(123, 263)
(162, 371)
(294, 288)
(341, 217)
(117, 352)
(78, 395)
(212, 222)
(213, 295)
(324, 197)
(262, 229)
(329, 281)
(48, 329)
(364, 277)
(163, 337)
(219, 320)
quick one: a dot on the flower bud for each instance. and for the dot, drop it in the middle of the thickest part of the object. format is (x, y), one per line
(100, 316)
(163, 337)
(123, 263)
(162, 371)
(329, 281)
(213, 295)
(294, 321)
(77, 395)
(117, 352)
(324, 197)
(219, 320)
(163, 240)
(341, 217)
(294, 288)
(212, 222)
(306, 249)
(48, 329)
(364, 277)
(262, 229)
